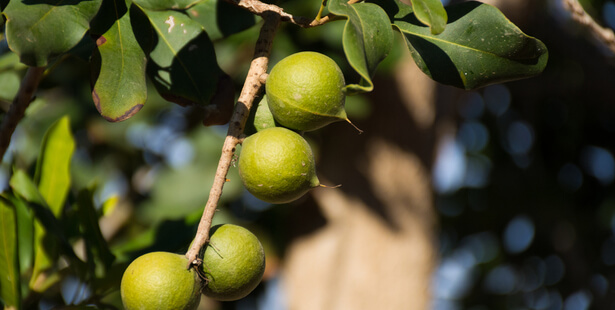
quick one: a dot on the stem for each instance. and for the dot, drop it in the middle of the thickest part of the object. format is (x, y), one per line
(604, 35)
(250, 89)
(16, 112)
(322, 8)
(259, 8)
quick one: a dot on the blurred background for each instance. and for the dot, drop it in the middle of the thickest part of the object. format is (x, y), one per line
(498, 198)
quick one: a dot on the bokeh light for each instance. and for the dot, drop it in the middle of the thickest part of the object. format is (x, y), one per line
(518, 234)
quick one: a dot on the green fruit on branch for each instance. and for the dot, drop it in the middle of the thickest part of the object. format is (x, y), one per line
(276, 165)
(305, 91)
(263, 118)
(233, 263)
(160, 280)
(260, 118)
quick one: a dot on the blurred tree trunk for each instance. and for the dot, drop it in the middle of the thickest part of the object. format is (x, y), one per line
(370, 243)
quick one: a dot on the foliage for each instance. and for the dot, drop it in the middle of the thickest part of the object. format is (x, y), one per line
(52, 234)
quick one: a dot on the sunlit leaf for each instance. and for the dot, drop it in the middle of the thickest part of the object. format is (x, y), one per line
(53, 166)
(220, 18)
(118, 67)
(430, 13)
(24, 187)
(479, 46)
(182, 64)
(39, 30)
(10, 289)
(53, 178)
(367, 39)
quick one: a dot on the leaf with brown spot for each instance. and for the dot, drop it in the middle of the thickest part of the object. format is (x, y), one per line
(118, 66)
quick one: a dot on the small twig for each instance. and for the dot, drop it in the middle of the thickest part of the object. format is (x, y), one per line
(16, 112)
(251, 87)
(259, 8)
(579, 15)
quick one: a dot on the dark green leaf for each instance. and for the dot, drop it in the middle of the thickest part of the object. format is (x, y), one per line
(10, 288)
(430, 13)
(479, 46)
(38, 30)
(118, 67)
(84, 49)
(53, 166)
(182, 64)
(220, 18)
(95, 243)
(367, 39)
(25, 232)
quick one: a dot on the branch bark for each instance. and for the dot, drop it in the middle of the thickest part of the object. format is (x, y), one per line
(604, 35)
(250, 89)
(17, 110)
(259, 8)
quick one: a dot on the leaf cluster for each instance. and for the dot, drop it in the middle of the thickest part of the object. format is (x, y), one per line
(468, 45)
(41, 222)
(172, 44)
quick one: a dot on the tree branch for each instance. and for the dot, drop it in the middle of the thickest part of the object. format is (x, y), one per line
(579, 15)
(16, 112)
(259, 8)
(250, 89)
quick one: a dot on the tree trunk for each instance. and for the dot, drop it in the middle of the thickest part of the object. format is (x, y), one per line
(370, 243)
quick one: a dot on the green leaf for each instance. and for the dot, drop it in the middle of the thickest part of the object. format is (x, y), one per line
(45, 252)
(479, 46)
(24, 187)
(182, 64)
(161, 5)
(431, 13)
(220, 18)
(10, 61)
(118, 67)
(39, 30)
(53, 178)
(53, 166)
(9, 77)
(49, 236)
(25, 231)
(9, 85)
(367, 39)
(10, 287)
(95, 243)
